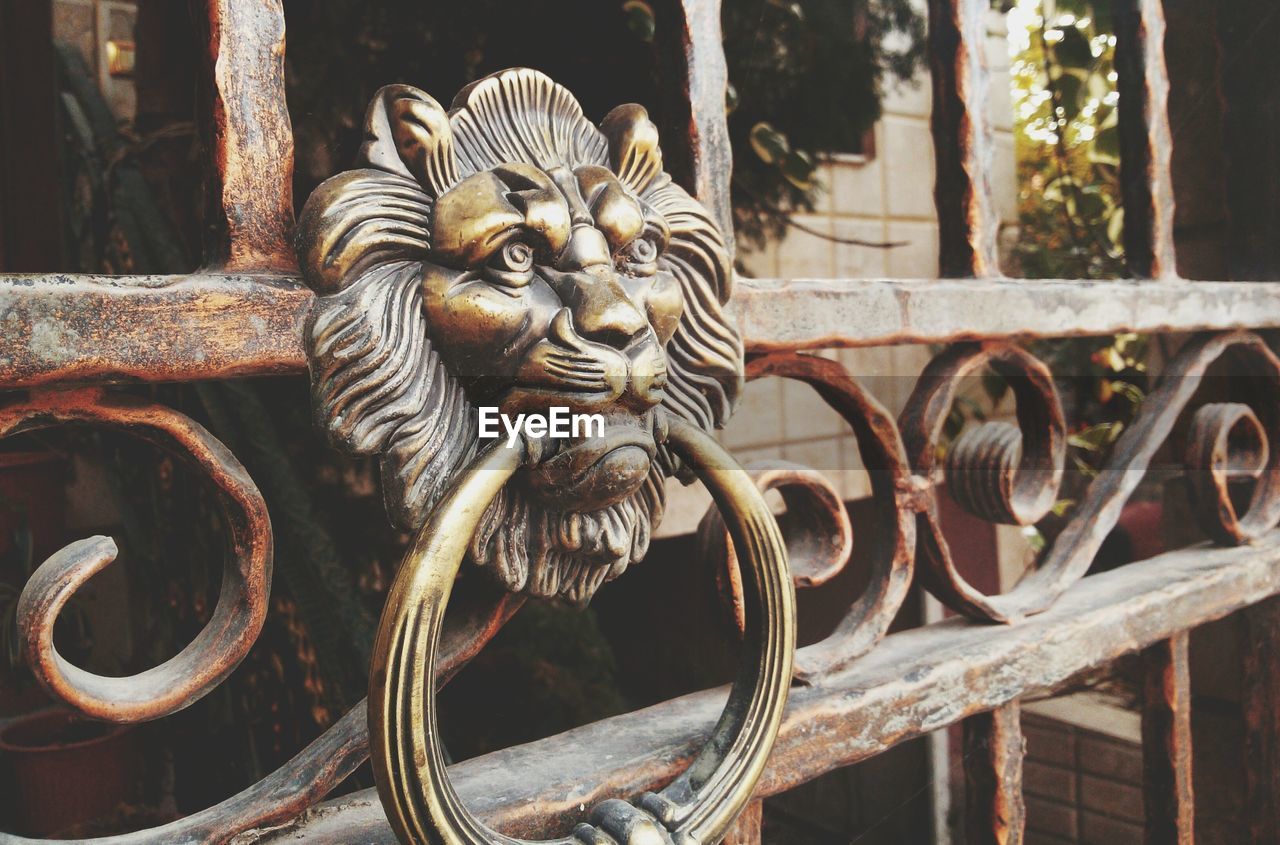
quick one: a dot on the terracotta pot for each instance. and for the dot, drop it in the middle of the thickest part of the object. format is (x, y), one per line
(67, 770)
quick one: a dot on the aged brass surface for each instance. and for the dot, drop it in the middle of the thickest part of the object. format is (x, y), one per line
(508, 253)
(213, 324)
(700, 805)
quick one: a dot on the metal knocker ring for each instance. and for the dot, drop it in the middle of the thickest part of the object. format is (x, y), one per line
(698, 807)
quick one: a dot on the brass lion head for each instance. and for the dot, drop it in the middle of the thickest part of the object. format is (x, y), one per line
(509, 253)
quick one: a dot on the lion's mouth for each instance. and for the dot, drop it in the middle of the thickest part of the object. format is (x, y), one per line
(590, 473)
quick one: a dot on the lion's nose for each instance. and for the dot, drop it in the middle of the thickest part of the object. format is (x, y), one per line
(601, 309)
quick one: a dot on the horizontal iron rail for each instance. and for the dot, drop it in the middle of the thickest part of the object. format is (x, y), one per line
(823, 313)
(67, 328)
(913, 683)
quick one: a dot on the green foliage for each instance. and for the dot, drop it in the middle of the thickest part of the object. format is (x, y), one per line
(806, 79)
(1067, 139)
(1070, 219)
(805, 76)
(1070, 215)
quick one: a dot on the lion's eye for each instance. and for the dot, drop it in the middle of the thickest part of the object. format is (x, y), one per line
(512, 265)
(641, 256)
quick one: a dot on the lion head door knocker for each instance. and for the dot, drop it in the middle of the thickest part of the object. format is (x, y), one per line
(510, 256)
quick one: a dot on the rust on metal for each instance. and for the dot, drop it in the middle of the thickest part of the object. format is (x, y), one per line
(68, 329)
(1229, 443)
(701, 156)
(998, 471)
(800, 314)
(747, 829)
(1168, 797)
(209, 326)
(1261, 687)
(957, 670)
(1043, 457)
(1146, 142)
(962, 144)
(246, 574)
(818, 534)
(316, 770)
(993, 750)
(251, 190)
(893, 493)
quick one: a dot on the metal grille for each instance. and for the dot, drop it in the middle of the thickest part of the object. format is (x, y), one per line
(863, 693)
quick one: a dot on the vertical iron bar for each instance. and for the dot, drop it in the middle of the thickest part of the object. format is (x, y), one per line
(1261, 690)
(1168, 797)
(1249, 51)
(1146, 144)
(746, 830)
(249, 221)
(962, 143)
(693, 51)
(993, 750)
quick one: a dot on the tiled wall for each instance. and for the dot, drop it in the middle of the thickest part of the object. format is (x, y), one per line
(1082, 775)
(884, 197)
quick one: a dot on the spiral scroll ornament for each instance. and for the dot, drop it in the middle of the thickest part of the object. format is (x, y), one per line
(890, 555)
(1231, 444)
(246, 574)
(998, 471)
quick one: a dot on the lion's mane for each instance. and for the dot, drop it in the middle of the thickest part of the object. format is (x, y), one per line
(378, 386)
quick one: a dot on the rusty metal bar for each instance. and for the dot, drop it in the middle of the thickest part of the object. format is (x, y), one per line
(995, 813)
(1261, 687)
(700, 156)
(914, 683)
(962, 145)
(1166, 743)
(250, 214)
(746, 830)
(148, 328)
(816, 314)
(204, 326)
(1146, 144)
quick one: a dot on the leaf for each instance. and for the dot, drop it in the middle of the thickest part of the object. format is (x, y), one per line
(640, 20)
(798, 168)
(1129, 391)
(1057, 190)
(1084, 469)
(1034, 538)
(1071, 94)
(1106, 143)
(768, 143)
(1073, 51)
(1079, 8)
(1093, 204)
(1095, 437)
(1115, 226)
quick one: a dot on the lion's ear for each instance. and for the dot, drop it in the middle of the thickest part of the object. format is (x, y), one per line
(407, 133)
(634, 153)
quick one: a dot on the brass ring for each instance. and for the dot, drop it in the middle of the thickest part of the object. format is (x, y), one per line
(701, 804)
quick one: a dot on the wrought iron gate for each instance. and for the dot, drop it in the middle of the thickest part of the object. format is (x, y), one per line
(66, 339)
